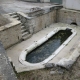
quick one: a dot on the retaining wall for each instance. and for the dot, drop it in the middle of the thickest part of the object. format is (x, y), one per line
(38, 22)
(68, 16)
(10, 33)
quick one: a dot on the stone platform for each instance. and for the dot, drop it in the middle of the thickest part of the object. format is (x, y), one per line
(14, 52)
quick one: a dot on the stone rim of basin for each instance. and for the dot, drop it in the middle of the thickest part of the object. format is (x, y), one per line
(37, 43)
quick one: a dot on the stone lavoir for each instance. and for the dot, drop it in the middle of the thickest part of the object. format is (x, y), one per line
(47, 48)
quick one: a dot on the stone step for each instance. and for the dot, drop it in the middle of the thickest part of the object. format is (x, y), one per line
(12, 13)
(14, 16)
(27, 36)
(22, 27)
(17, 18)
(25, 33)
(23, 30)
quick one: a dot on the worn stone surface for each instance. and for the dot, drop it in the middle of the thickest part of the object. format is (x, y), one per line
(10, 6)
(68, 16)
(15, 51)
(68, 61)
(6, 70)
(3, 21)
(49, 65)
(10, 36)
(43, 21)
(35, 12)
(46, 74)
(11, 32)
(37, 23)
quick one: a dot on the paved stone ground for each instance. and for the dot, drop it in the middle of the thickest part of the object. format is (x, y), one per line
(6, 70)
(9, 6)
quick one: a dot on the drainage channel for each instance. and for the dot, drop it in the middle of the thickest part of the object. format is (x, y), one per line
(46, 49)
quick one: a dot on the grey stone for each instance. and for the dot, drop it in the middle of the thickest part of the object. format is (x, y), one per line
(49, 65)
(52, 72)
(6, 70)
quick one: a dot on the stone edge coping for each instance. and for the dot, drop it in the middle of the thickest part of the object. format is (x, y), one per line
(12, 23)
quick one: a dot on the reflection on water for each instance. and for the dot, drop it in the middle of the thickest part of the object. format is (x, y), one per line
(45, 50)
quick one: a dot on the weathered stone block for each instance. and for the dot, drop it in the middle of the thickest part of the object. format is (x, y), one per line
(68, 16)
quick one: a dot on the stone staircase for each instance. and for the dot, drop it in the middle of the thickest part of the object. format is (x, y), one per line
(24, 30)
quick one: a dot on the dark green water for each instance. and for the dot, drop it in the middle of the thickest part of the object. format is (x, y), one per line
(45, 50)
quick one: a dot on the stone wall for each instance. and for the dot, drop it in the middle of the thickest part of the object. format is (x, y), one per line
(71, 4)
(38, 18)
(10, 33)
(10, 36)
(68, 16)
(40, 22)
